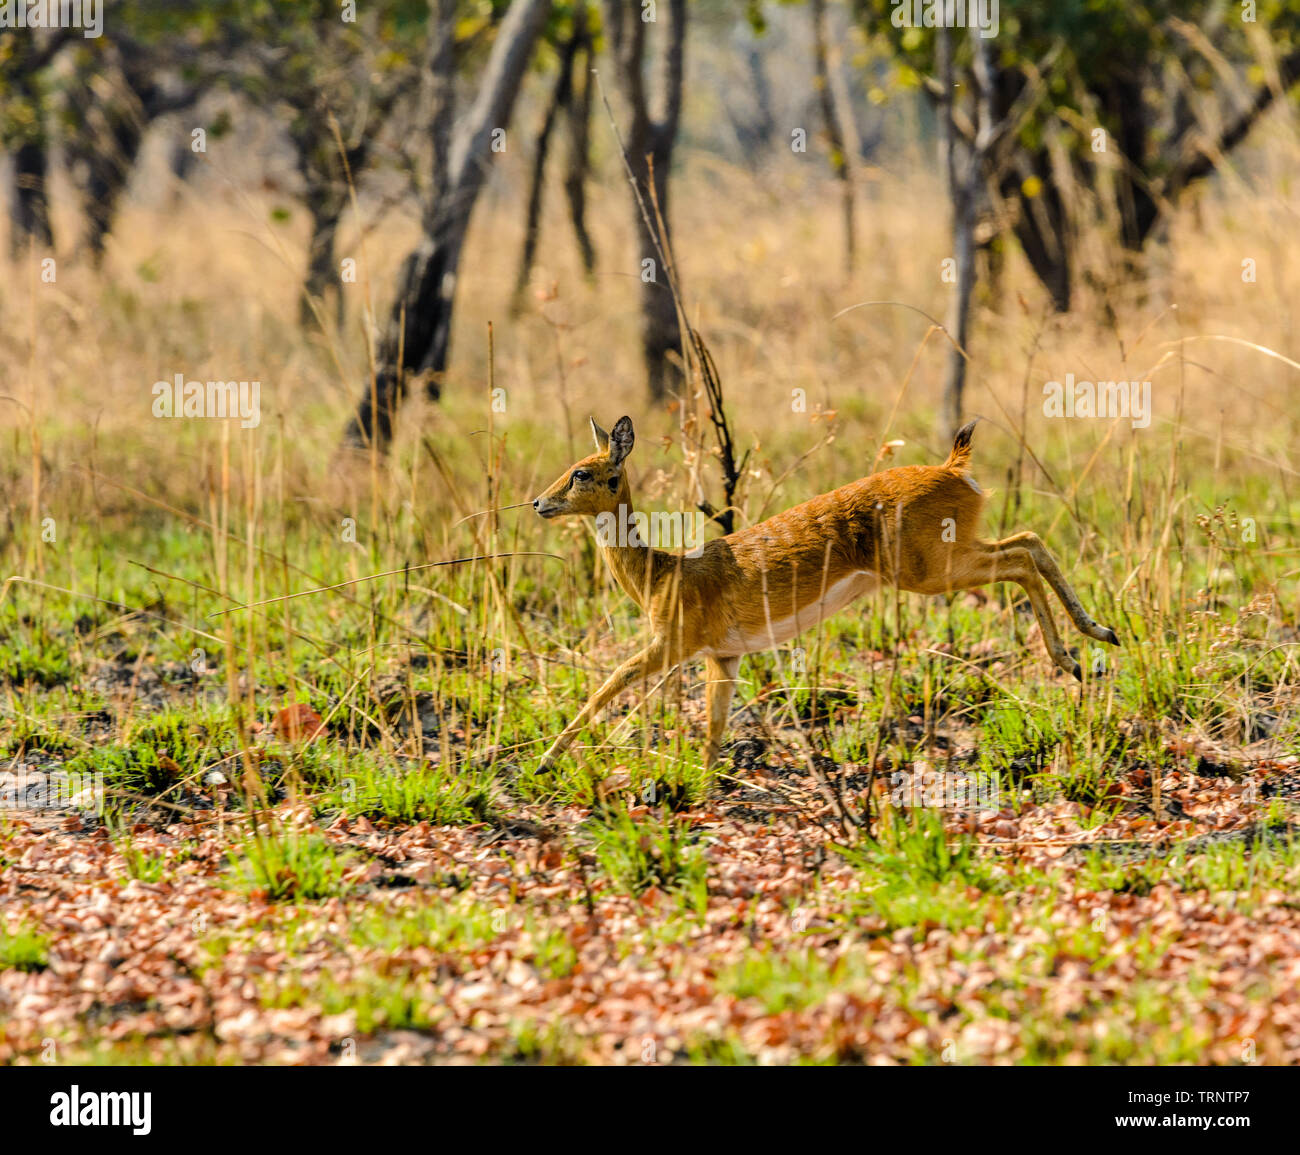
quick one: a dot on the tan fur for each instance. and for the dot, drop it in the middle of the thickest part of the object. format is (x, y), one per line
(759, 587)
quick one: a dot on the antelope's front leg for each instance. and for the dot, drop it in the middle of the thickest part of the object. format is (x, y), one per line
(650, 660)
(721, 674)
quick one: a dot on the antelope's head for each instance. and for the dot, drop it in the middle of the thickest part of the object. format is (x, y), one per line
(591, 486)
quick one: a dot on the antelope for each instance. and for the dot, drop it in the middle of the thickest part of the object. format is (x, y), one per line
(912, 527)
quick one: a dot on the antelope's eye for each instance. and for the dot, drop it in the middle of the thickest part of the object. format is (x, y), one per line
(581, 475)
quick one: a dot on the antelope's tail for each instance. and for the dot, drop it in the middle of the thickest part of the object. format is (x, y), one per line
(959, 458)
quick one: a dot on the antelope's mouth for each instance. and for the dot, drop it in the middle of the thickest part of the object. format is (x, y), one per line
(542, 509)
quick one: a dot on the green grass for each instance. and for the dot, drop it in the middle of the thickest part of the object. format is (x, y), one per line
(24, 949)
(287, 866)
(782, 982)
(438, 925)
(392, 1001)
(1232, 872)
(554, 954)
(162, 752)
(551, 1044)
(403, 796)
(638, 853)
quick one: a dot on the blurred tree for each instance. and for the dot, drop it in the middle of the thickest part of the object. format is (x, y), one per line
(965, 169)
(337, 82)
(648, 140)
(750, 113)
(118, 86)
(418, 334)
(571, 38)
(836, 117)
(301, 58)
(578, 166)
(1108, 103)
(155, 57)
(24, 132)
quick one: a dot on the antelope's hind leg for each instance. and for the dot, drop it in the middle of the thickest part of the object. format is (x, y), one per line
(984, 565)
(1046, 565)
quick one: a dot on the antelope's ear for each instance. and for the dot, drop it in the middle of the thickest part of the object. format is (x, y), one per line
(600, 436)
(621, 440)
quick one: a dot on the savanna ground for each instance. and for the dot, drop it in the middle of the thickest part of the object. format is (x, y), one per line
(322, 837)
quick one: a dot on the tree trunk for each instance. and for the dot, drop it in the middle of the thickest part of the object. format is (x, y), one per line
(322, 274)
(1137, 209)
(110, 170)
(579, 124)
(561, 95)
(1042, 228)
(21, 76)
(660, 331)
(964, 179)
(422, 321)
(764, 122)
(111, 129)
(418, 333)
(649, 145)
(29, 220)
(834, 130)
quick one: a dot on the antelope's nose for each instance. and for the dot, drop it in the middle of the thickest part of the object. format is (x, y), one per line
(537, 504)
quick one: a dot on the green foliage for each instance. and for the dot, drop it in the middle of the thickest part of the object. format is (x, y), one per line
(1098, 40)
(139, 863)
(23, 949)
(549, 1043)
(915, 874)
(1064, 70)
(1018, 740)
(171, 747)
(1229, 870)
(438, 926)
(781, 982)
(379, 1001)
(916, 846)
(637, 854)
(288, 866)
(438, 795)
(27, 663)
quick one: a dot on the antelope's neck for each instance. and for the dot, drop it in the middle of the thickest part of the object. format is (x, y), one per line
(630, 558)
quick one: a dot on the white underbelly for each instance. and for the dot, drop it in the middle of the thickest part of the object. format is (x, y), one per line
(778, 631)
